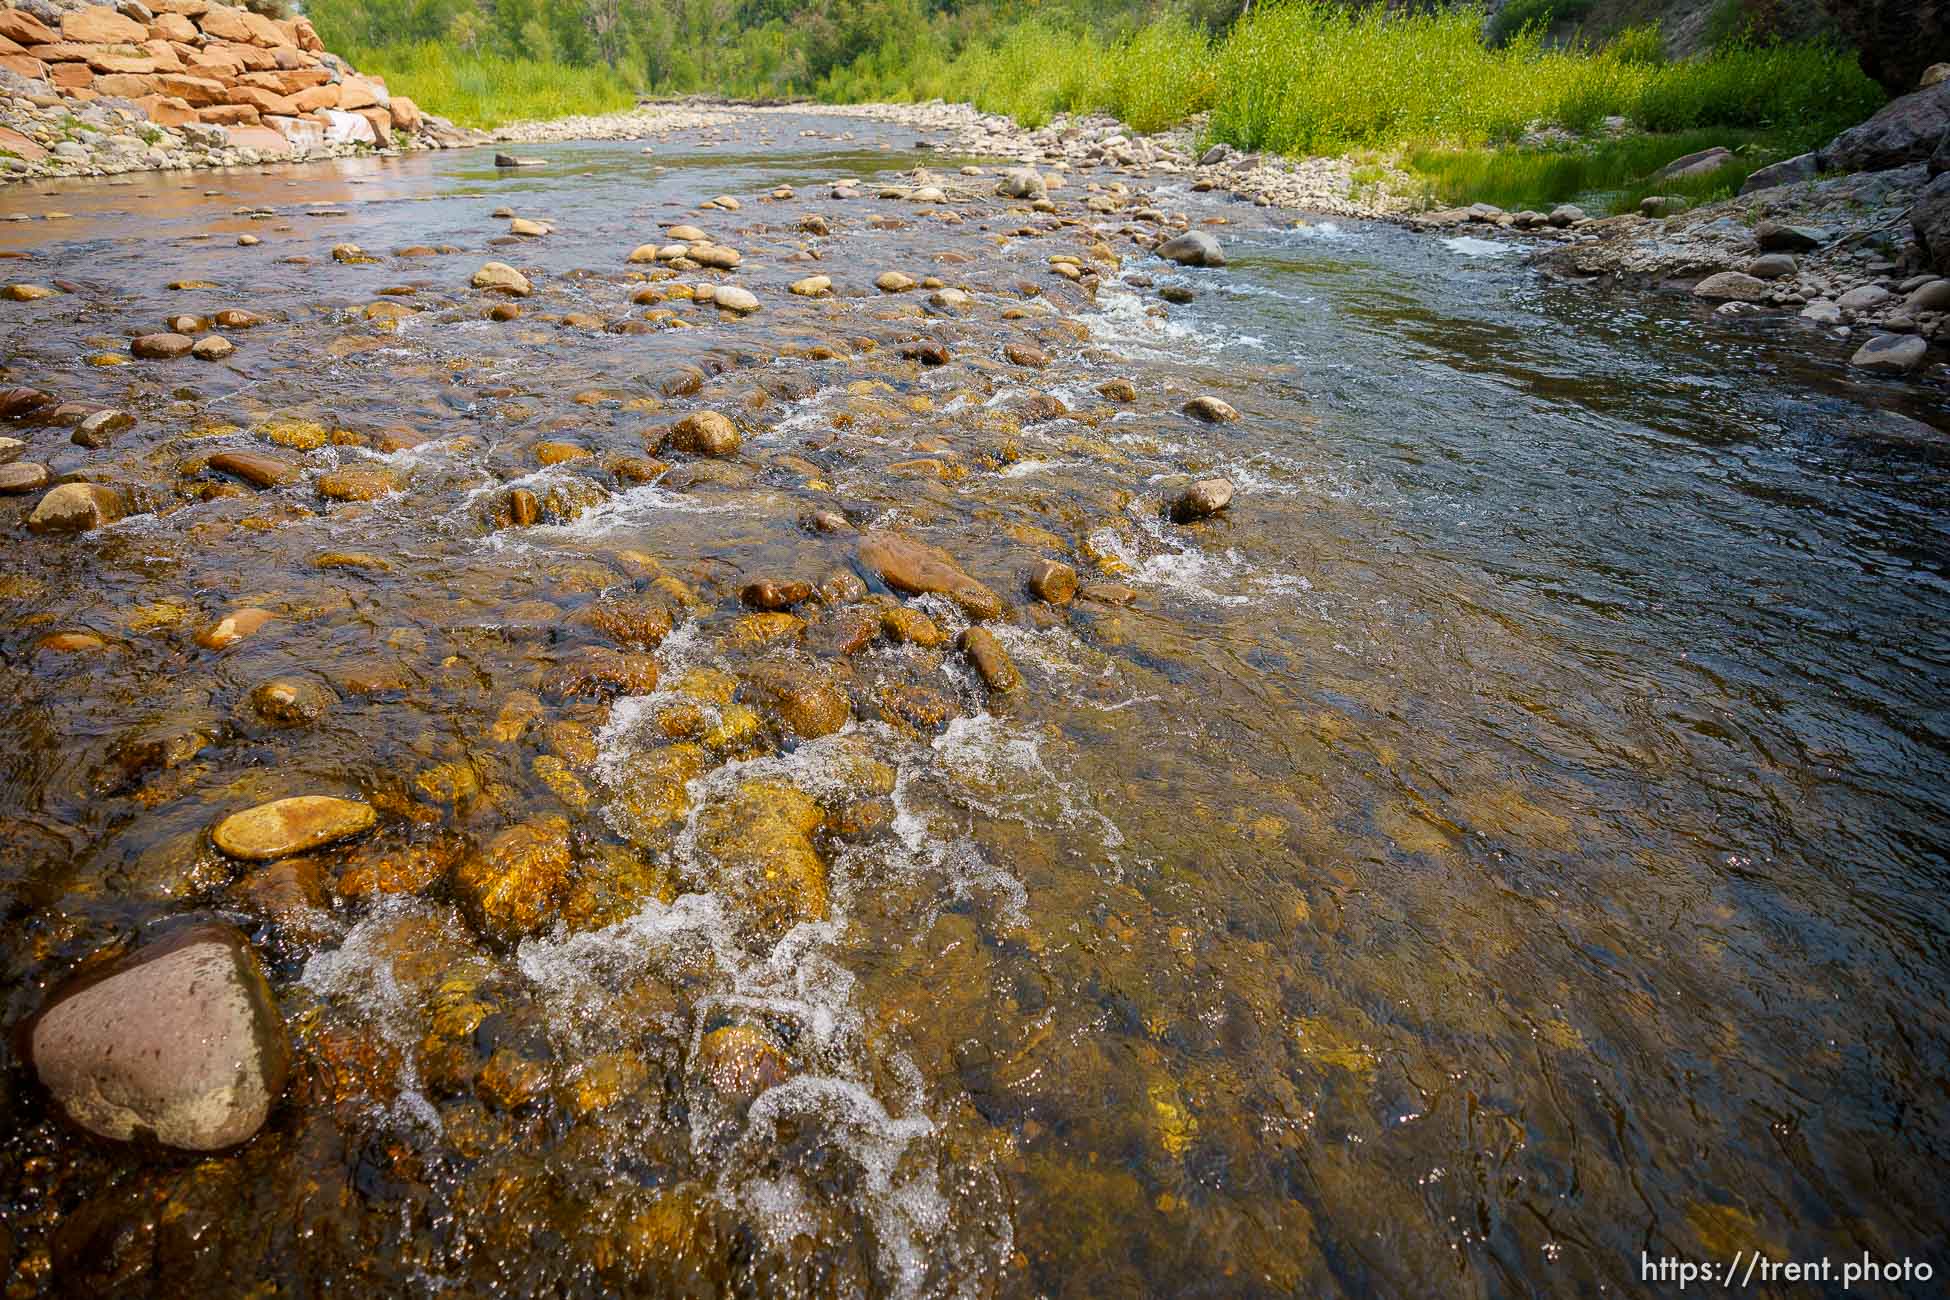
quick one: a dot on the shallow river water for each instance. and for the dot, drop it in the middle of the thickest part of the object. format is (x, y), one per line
(1507, 842)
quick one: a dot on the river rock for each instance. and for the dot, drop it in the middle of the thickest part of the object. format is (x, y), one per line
(1565, 214)
(757, 853)
(1193, 248)
(1118, 390)
(527, 229)
(98, 428)
(233, 627)
(285, 827)
(809, 705)
(510, 888)
(916, 568)
(1934, 296)
(1695, 164)
(1023, 183)
(813, 286)
(715, 256)
(706, 433)
(1904, 131)
(1772, 266)
(499, 277)
(773, 594)
(76, 508)
(1789, 171)
(179, 1042)
(21, 476)
(1776, 237)
(1211, 410)
(254, 468)
(1896, 354)
(214, 347)
(1731, 286)
(1201, 500)
(741, 1061)
(1931, 219)
(358, 484)
(1663, 205)
(1053, 581)
(893, 282)
(161, 347)
(1864, 297)
(992, 662)
(731, 298)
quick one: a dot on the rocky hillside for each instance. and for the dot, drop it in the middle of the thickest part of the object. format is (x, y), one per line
(90, 89)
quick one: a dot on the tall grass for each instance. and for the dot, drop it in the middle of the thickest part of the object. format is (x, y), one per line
(1613, 175)
(1309, 77)
(1306, 76)
(488, 90)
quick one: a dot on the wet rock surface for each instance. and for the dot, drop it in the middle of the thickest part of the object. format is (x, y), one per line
(179, 1042)
(888, 854)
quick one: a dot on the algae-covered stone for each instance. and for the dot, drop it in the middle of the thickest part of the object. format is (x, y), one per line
(512, 885)
(766, 865)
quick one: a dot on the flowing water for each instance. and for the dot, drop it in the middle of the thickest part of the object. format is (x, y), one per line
(1507, 840)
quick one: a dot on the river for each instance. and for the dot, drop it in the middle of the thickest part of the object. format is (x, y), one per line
(1507, 843)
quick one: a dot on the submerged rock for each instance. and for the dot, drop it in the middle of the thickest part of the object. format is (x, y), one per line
(992, 662)
(706, 433)
(511, 887)
(76, 508)
(286, 826)
(917, 569)
(1053, 581)
(179, 1042)
(1211, 410)
(1201, 500)
(1891, 354)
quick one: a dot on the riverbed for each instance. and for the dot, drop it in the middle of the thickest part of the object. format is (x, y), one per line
(1508, 840)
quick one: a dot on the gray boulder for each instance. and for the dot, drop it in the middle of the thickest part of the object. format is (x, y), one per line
(1789, 171)
(1907, 130)
(1023, 183)
(1893, 354)
(178, 1042)
(1775, 237)
(1931, 218)
(1696, 164)
(1731, 286)
(1193, 248)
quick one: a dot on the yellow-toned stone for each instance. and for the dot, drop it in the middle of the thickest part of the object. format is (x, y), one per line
(295, 432)
(286, 826)
(512, 885)
(753, 630)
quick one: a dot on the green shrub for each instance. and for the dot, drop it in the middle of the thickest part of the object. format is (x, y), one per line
(486, 90)
(1522, 15)
(1612, 175)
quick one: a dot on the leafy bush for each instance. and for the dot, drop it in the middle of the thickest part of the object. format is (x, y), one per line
(1521, 15)
(487, 90)
(1614, 174)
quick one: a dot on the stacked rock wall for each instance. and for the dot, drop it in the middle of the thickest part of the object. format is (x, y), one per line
(267, 86)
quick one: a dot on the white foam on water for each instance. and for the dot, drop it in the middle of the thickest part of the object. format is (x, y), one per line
(1123, 323)
(358, 975)
(1471, 246)
(1187, 570)
(998, 768)
(903, 1212)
